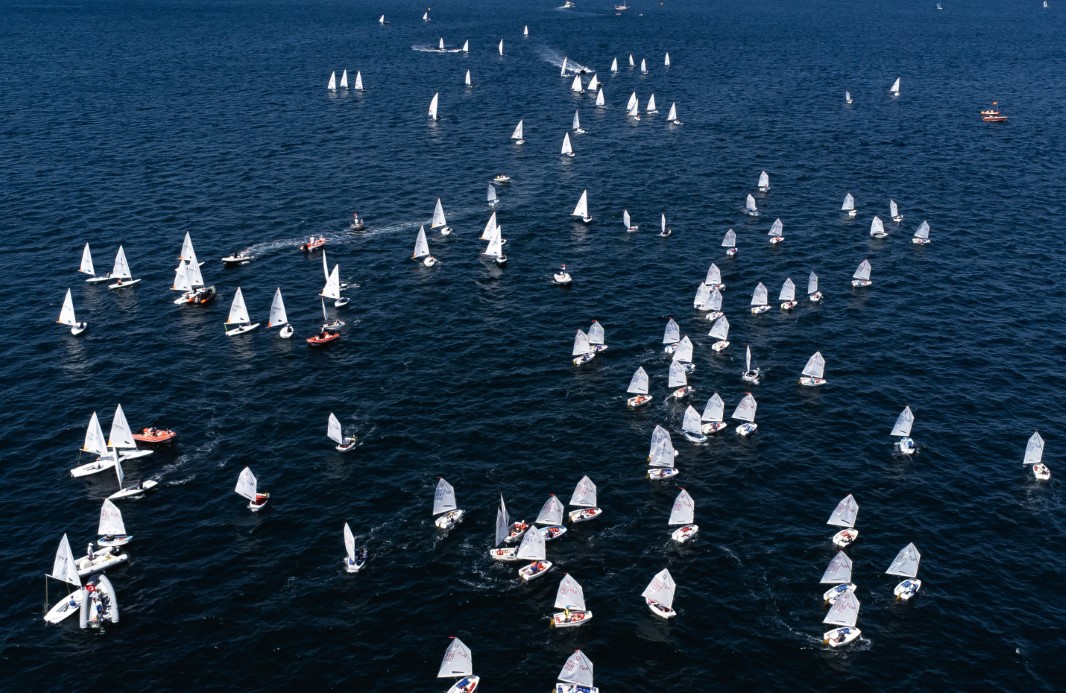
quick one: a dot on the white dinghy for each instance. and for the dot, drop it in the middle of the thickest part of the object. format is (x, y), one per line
(358, 81)
(332, 86)
(421, 252)
(100, 604)
(439, 222)
(1034, 455)
(849, 206)
(905, 565)
(576, 125)
(87, 267)
(499, 48)
(838, 573)
(344, 79)
(714, 278)
(562, 277)
(467, 81)
(506, 533)
(764, 182)
(577, 87)
(95, 444)
(905, 445)
(633, 107)
(729, 242)
(720, 331)
(862, 275)
(67, 317)
(334, 433)
(894, 89)
(447, 513)
(745, 412)
(63, 569)
(632, 63)
(671, 336)
(643, 66)
(666, 60)
(659, 595)
(877, 228)
(458, 663)
(683, 354)
(812, 288)
(683, 513)
(581, 210)
(651, 107)
(550, 518)
(567, 149)
(584, 497)
(600, 100)
(532, 549)
(788, 295)
(847, 97)
(751, 373)
(238, 321)
(130, 491)
(844, 613)
(678, 379)
(661, 455)
(516, 136)
(759, 300)
(98, 561)
(582, 351)
(921, 236)
(494, 250)
(576, 675)
(121, 272)
(248, 486)
(749, 206)
(844, 516)
(490, 196)
(713, 306)
(111, 528)
(597, 338)
(692, 427)
(893, 212)
(671, 117)
(432, 112)
(571, 599)
(354, 561)
(813, 371)
(278, 316)
(638, 387)
(777, 232)
(713, 415)
(628, 222)
(702, 298)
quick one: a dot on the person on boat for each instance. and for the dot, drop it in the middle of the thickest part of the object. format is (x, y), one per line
(361, 556)
(566, 614)
(107, 537)
(842, 636)
(92, 555)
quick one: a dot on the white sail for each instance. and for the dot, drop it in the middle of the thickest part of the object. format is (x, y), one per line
(567, 149)
(703, 294)
(1034, 449)
(495, 246)
(661, 451)
(349, 543)
(192, 265)
(584, 494)
(358, 81)
(720, 329)
(246, 484)
(438, 216)
(433, 105)
(730, 239)
(121, 269)
(238, 313)
(749, 204)
(877, 228)
(94, 438)
(903, 423)
(923, 231)
(747, 358)
(490, 228)
(576, 125)
(715, 300)
(788, 291)
(466, 46)
(381, 20)
(626, 220)
(632, 103)
(525, 30)
(638, 384)
(421, 245)
(87, 262)
(63, 567)
(845, 513)
(551, 513)
(181, 278)
(691, 422)
(715, 409)
(838, 572)
(443, 498)
(576, 86)
(764, 181)
(490, 194)
(581, 344)
(672, 334)
(644, 66)
(577, 670)
(570, 595)
(440, 44)
(503, 522)
(906, 562)
(684, 510)
(66, 313)
(596, 335)
(758, 298)
(594, 83)
(466, 79)
(863, 270)
(895, 87)
(845, 610)
(815, 367)
(344, 79)
(532, 547)
(847, 96)
(332, 288)
(110, 520)
(661, 589)
(457, 660)
(672, 115)
(517, 134)
(849, 203)
(678, 378)
(666, 60)
(500, 47)
(812, 283)
(333, 430)
(745, 411)
(662, 223)
(599, 98)
(777, 229)
(120, 435)
(332, 86)
(278, 317)
(187, 252)
(614, 65)
(633, 110)
(683, 353)
(582, 207)
(893, 210)
(650, 108)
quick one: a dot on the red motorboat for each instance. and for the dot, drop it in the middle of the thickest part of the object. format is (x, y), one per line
(151, 435)
(323, 338)
(313, 243)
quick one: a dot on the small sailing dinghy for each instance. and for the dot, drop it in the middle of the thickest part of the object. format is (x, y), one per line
(344, 79)
(666, 60)
(238, 316)
(581, 210)
(777, 232)
(439, 222)
(671, 336)
(893, 212)
(847, 97)
(628, 222)
(121, 272)
(120, 439)
(576, 675)
(67, 317)
(600, 100)
(432, 111)
(532, 549)
(516, 136)
(714, 306)
(692, 427)
(729, 242)
(838, 573)
(764, 182)
(100, 604)
(745, 412)
(95, 444)
(353, 561)
(759, 300)
(501, 179)
(720, 331)
(551, 519)
(751, 373)
(358, 86)
(111, 528)
(905, 445)
(63, 569)
(562, 276)
(597, 337)
(788, 295)
(683, 513)
(849, 206)
(671, 117)
(332, 86)
(651, 107)
(894, 89)
(1034, 455)
(576, 125)
(130, 491)
(862, 275)
(490, 196)
(643, 66)
(921, 236)
(467, 81)
(683, 354)
(447, 513)
(98, 561)
(713, 415)
(664, 230)
(844, 516)
(334, 433)
(749, 206)
(278, 316)
(703, 297)
(633, 107)
(507, 533)
(494, 250)
(567, 149)
(844, 613)
(577, 87)
(614, 65)
(877, 228)
(332, 288)
(584, 497)
(458, 663)
(248, 486)
(382, 22)
(812, 373)
(638, 387)
(525, 31)
(661, 455)
(571, 599)
(632, 63)
(87, 267)
(659, 595)
(582, 351)
(421, 253)
(812, 288)
(905, 566)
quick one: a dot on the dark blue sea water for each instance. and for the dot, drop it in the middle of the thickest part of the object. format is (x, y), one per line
(134, 122)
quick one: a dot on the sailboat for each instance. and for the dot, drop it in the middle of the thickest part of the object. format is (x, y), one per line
(567, 150)
(751, 373)
(381, 20)
(238, 316)
(490, 196)
(121, 272)
(111, 528)
(508, 533)
(440, 45)
(921, 236)
(671, 336)
(720, 331)
(584, 497)
(600, 101)
(248, 486)
(628, 222)
(666, 60)
(777, 232)
(788, 295)
(643, 66)
(63, 569)
(129, 491)
(713, 415)
(344, 80)
(749, 206)
(447, 513)
(576, 126)
(467, 81)
(745, 412)
(905, 566)
(812, 288)
(847, 97)
(664, 230)
(571, 599)
(813, 371)
(525, 31)
(844, 613)
(683, 513)
(551, 517)
(632, 63)
(597, 337)
(714, 305)
(1034, 455)
(576, 675)
(332, 86)
(433, 106)
(759, 300)
(532, 549)
(661, 454)
(334, 433)
(683, 354)
(862, 275)
(838, 573)
(692, 427)
(844, 516)
(659, 595)
(849, 206)
(905, 445)
(894, 90)
(500, 48)
(893, 212)
(594, 83)
(120, 438)
(651, 107)
(633, 107)
(517, 134)
(421, 252)
(67, 317)
(87, 267)
(576, 86)
(278, 316)
(764, 182)
(703, 296)
(638, 387)
(494, 249)
(439, 222)
(353, 562)
(582, 351)
(490, 228)
(95, 444)
(614, 65)
(877, 228)
(358, 81)
(729, 242)
(458, 663)
(581, 210)
(671, 117)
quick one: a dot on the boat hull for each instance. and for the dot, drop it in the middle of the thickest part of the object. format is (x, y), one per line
(685, 534)
(714, 427)
(746, 429)
(514, 534)
(155, 436)
(906, 446)
(815, 297)
(838, 637)
(562, 278)
(584, 514)
(465, 685)
(682, 392)
(660, 610)
(505, 555)
(660, 473)
(583, 358)
(449, 519)
(66, 607)
(122, 284)
(809, 381)
(1041, 472)
(534, 570)
(859, 283)
(94, 467)
(758, 310)
(789, 305)
(832, 594)
(697, 438)
(134, 491)
(845, 537)
(242, 329)
(575, 619)
(323, 339)
(552, 533)
(907, 590)
(348, 445)
(99, 563)
(920, 241)
(638, 401)
(720, 346)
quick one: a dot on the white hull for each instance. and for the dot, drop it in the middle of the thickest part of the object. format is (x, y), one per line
(685, 534)
(123, 284)
(920, 241)
(757, 310)
(574, 688)
(815, 297)
(125, 455)
(660, 610)
(833, 593)
(242, 329)
(697, 438)
(714, 427)
(134, 491)
(100, 563)
(115, 540)
(660, 473)
(95, 467)
(720, 346)
(449, 519)
(584, 514)
(562, 278)
(731, 252)
(355, 566)
(1041, 472)
(906, 446)
(670, 348)
(774, 240)
(256, 507)
(638, 401)
(809, 381)
(789, 305)
(99, 280)
(746, 429)
(552, 533)
(348, 445)
(682, 392)
(845, 537)
(78, 328)
(907, 589)
(851, 213)
(534, 570)
(506, 555)
(238, 259)
(63, 609)
(576, 618)
(714, 315)
(465, 685)
(286, 332)
(898, 218)
(750, 377)
(838, 637)
(858, 283)
(583, 359)
(515, 533)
